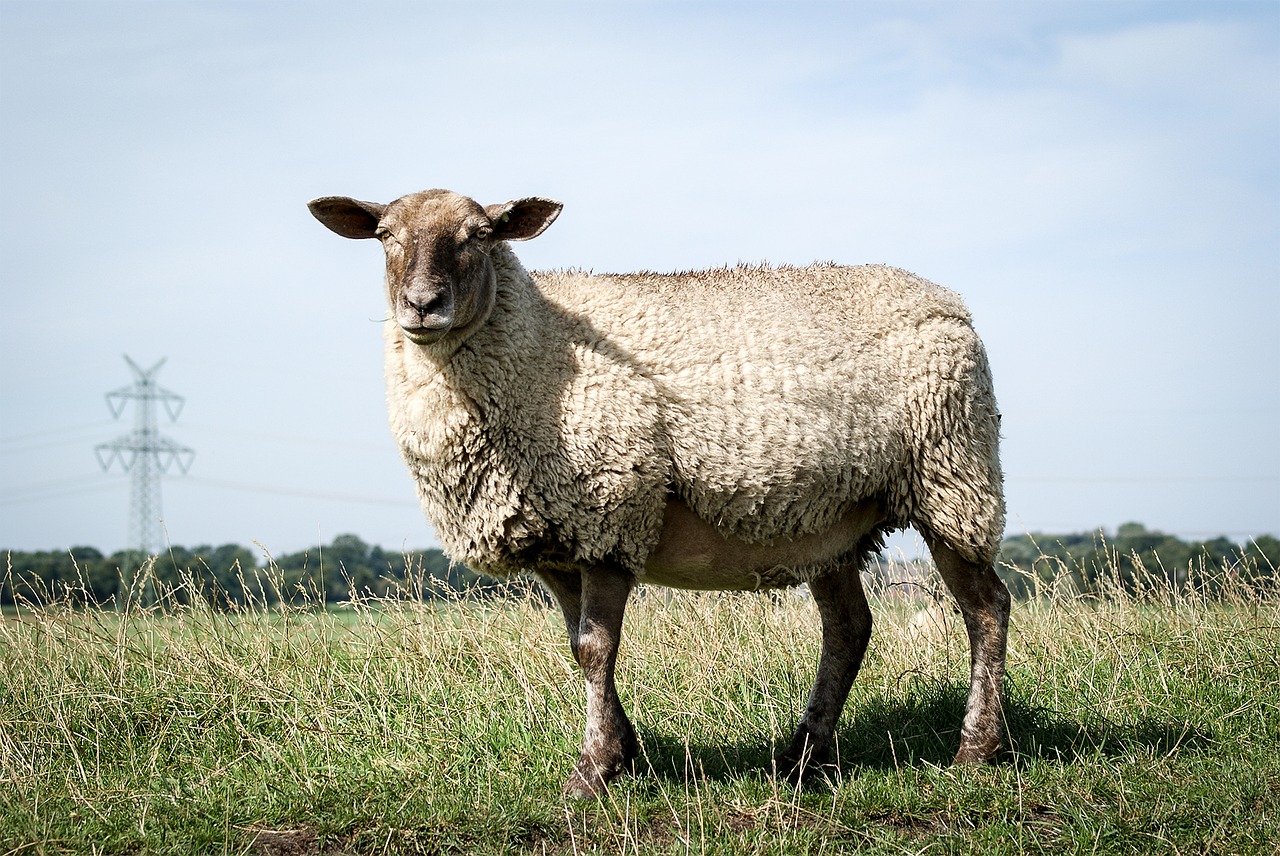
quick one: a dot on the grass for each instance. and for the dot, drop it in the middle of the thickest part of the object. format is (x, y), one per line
(1139, 724)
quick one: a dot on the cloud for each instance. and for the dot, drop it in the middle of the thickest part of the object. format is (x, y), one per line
(1226, 66)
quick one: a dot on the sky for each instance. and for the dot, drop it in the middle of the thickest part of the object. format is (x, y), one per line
(1100, 181)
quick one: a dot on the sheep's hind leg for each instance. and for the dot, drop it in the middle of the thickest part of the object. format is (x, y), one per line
(846, 629)
(566, 587)
(984, 603)
(593, 607)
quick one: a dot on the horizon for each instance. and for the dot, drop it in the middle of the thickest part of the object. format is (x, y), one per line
(891, 553)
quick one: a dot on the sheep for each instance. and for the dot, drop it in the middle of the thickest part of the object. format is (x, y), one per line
(746, 428)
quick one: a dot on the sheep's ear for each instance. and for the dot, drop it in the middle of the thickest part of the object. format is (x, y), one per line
(350, 218)
(522, 219)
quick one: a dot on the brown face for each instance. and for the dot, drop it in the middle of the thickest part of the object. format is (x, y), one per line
(440, 278)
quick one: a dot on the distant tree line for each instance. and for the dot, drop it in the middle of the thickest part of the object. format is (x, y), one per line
(1135, 559)
(232, 576)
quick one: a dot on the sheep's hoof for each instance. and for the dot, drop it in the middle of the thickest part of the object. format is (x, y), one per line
(978, 750)
(977, 754)
(800, 760)
(590, 778)
(585, 786)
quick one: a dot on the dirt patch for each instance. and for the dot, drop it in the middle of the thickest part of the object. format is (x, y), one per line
(302, 841)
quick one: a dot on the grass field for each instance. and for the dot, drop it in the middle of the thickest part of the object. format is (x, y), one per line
(1138, 724)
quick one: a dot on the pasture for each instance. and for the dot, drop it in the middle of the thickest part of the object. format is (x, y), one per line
(1141, 722)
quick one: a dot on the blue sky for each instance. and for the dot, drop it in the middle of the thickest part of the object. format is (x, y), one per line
(1099, 180)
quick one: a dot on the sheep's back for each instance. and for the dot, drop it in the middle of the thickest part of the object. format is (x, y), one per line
(782, 395)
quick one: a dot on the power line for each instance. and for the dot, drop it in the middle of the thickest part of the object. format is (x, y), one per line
(301, 492)
(78, 485)
(43, 439)
(54, 489)
(293, 439)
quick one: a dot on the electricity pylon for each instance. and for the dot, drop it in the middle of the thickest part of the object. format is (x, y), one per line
(145, 454)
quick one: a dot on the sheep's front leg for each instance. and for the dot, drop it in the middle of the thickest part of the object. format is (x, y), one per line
(846, 629)
(593, 605)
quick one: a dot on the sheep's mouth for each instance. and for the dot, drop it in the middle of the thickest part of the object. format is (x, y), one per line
(425, 335)
(424, 328)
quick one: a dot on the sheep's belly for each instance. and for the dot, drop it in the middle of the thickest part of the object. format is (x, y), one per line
(693, 554)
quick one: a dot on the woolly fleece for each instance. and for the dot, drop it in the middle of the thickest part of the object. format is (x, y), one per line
(770, 399)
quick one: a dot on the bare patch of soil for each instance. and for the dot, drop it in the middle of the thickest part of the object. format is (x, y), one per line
(302, 841)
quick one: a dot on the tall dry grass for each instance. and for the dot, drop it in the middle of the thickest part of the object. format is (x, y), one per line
(1139, 721)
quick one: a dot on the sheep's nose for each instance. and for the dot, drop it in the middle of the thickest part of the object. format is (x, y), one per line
(428, 299)
(427, 304)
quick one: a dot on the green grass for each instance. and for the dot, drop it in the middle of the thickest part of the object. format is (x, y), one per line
(1139, 725)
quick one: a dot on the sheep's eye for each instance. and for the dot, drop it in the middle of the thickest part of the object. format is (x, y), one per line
(382, 233)
(483, 233)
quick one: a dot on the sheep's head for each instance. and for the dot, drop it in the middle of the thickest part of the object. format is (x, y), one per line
(440, 278)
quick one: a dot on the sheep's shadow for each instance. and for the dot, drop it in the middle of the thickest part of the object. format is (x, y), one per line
(925, 730)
